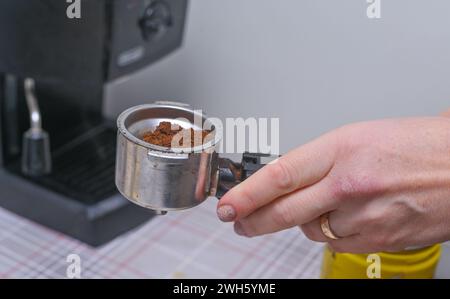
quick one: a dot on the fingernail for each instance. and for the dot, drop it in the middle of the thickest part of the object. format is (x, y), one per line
(226, 213)
(238, 229)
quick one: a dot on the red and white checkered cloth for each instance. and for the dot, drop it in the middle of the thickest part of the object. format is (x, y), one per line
(188, 244)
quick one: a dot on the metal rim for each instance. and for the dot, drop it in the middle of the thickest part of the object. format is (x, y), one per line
(131, 137)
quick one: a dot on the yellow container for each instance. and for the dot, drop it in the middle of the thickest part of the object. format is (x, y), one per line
(419, 263)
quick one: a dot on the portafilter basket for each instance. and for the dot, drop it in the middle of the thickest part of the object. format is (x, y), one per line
(165, 179)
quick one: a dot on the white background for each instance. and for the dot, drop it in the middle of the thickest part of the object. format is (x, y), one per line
(316, 64)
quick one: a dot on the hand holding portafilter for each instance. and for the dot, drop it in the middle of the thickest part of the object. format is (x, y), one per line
(166, 179)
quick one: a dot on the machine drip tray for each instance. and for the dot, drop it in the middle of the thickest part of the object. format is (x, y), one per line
(84, 169)
(79, 197)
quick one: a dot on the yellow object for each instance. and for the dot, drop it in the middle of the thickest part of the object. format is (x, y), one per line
(419, 263)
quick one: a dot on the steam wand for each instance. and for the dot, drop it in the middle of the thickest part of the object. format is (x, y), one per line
(36, 158)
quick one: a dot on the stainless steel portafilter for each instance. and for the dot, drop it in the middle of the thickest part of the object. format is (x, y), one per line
(165, 179)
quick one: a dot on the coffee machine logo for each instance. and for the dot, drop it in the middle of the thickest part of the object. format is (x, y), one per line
(74, 9)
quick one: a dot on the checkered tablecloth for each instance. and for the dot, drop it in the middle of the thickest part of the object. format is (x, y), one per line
(188, 244)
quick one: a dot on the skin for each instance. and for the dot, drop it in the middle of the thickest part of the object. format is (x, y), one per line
(446, 113)
(385, 185)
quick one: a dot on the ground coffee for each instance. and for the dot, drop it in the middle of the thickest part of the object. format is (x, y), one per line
(164, 134)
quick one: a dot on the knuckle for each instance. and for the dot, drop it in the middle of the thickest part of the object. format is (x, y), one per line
(312, 233)
(248, 228)
(282, 215)
(249, 200)
(282, 175)
(372, 218)
(342, 187)
(377, 231)
(356, 185)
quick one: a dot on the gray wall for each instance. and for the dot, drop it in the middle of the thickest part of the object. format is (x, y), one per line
(316, 64)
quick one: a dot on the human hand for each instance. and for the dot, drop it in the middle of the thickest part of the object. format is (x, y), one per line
(446, 113)
(385, 183)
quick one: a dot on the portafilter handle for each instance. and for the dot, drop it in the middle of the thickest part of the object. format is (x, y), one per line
(231, 173)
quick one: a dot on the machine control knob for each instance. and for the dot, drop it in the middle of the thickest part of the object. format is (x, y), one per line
(156, 20)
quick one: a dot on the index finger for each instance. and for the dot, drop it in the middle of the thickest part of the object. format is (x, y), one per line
(299, 168)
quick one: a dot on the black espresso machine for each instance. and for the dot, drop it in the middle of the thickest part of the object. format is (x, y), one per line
(57, 150)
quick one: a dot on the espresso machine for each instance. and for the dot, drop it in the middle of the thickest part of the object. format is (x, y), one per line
(57, 150)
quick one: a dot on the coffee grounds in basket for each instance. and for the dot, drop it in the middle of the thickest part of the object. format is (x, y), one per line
(163, 135)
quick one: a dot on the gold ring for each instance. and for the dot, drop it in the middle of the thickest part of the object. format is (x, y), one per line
(326, 229)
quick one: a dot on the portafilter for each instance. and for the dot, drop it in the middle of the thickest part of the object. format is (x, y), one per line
(168, 179)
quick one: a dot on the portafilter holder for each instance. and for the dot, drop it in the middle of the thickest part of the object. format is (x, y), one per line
(165, 179)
